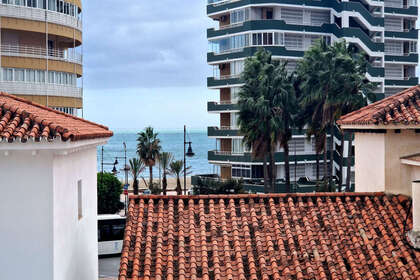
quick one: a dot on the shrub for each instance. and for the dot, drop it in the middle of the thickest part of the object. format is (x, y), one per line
(109, 193)
(211, 186)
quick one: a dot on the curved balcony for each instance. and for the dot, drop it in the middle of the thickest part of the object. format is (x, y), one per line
(12, 11)
(222, 107)
(43, 53)
(218, 156)
(223, 131)
(226, 81)
(41, 89)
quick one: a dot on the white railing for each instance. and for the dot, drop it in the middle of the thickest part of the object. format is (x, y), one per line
(41, 89)
(7, 10)
(228, 153)
(39, 52)
(228, 128)
(226, 102)
(225, 77)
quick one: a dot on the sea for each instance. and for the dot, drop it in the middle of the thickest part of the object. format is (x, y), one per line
(171, 141)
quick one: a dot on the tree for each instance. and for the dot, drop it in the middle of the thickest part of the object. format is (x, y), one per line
(211, 186)
(109, 194)
(266, 104)
(166, 159)
(177, 168)
(136, 168)
(148, 148)
(333, 83)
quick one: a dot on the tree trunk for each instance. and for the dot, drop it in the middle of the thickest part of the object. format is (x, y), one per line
(331, 157)
(136, 186)
(164, 183)
(265, 174)
(340, 178)
(348, 162)
(178, 186)
(150, 176)
(287, 167)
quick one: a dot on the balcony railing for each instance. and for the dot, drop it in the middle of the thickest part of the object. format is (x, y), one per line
(37, 14)
(39, 52)
(41, 89)
(226, 77)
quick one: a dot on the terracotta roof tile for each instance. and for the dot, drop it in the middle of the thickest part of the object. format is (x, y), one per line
(401, 108)
(23, 120)
(285, 236)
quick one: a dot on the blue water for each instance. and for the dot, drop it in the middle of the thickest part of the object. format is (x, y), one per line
(170, 142)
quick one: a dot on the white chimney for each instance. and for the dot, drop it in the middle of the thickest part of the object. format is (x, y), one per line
(414, 234)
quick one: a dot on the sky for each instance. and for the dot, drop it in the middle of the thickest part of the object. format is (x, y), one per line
(145, 64)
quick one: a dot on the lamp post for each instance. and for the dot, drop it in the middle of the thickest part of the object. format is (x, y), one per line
(114, 170)
(188, 153)
(125, 169)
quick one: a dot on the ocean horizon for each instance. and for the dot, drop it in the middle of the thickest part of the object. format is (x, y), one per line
(171, 141)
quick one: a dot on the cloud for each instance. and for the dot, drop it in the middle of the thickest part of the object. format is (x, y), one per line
(145, 44)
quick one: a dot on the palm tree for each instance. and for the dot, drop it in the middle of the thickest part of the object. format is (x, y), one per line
(165, 159)
(148, 148)
(176, 168)
(136, 168)
(265, 108)
(334, 83)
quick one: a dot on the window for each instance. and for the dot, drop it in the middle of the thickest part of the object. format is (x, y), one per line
(241, 171)
(79, 199)
(234, 94)
(19, 75)
(234, 120)
(236, 67)
(237, 146)
(394, 71)
(8, 74)
(394, 47)
(239, 16)
(393, 24)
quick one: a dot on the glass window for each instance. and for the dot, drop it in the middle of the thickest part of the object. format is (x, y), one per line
(19, 75)
(51, 77)
(30, 76)
(8, 74)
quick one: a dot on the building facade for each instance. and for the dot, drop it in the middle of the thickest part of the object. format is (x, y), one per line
(41, 53)
(384, 30)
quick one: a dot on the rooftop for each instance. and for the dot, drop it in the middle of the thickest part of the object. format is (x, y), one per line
(400, 109)
(273, 236)
(23, 120)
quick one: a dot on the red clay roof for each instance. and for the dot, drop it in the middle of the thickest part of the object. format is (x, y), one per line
(286, 236)
(21, 119)
(401, 108)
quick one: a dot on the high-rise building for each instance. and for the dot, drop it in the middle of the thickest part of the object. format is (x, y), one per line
(41, 53)
(384, 30)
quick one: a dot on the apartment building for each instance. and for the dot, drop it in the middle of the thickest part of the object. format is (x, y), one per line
(384, 30)
(41, 53)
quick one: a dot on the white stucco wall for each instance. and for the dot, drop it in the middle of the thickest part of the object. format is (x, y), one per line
(378, 161)
(41, 235)
(75, 241)
(369, 162)
(26, 210)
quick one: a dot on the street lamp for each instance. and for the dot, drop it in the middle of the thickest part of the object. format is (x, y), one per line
(188, 153)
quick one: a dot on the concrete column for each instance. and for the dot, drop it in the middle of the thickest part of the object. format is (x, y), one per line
(414, 234)
(416, 205)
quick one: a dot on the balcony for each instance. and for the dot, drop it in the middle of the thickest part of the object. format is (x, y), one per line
(401, 81)
(223, 81)
(221, 107)
(39, 52)
(406, 34)
(219, 156)
(223, 131)
(408, 10)
(41, 89)
(401, 57)
(7, 10)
